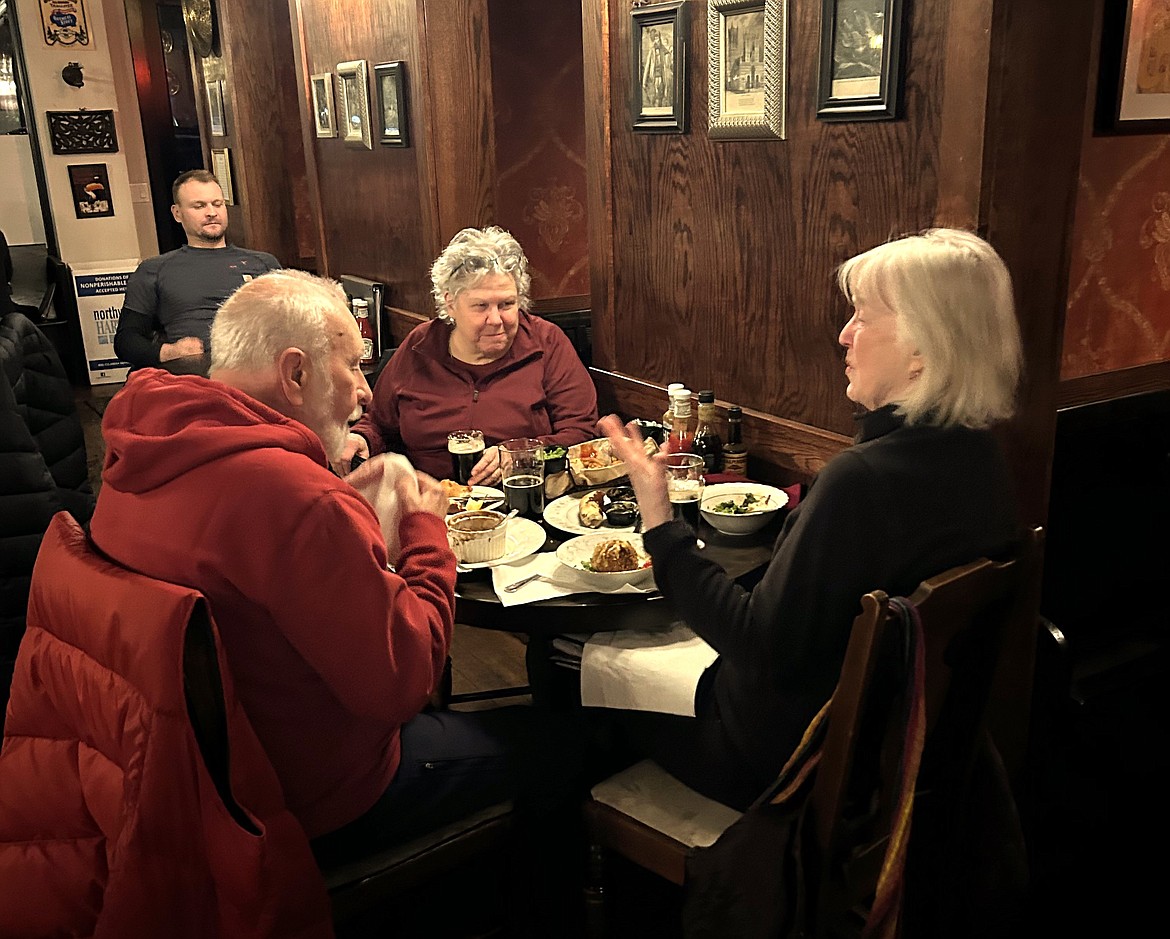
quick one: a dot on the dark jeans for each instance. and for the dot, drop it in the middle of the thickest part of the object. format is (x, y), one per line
(455, 763)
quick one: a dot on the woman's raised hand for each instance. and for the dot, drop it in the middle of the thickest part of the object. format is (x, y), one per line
(647, 473)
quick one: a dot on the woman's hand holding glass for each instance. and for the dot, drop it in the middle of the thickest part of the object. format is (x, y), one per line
(487, 470)
(647, 473)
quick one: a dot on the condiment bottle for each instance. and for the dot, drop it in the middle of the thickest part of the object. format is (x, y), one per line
(668, 413)
(734, 451)
(361, 311)
(707, 442)
(682, 428)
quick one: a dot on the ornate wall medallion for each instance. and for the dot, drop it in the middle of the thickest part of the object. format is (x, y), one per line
(199, 16)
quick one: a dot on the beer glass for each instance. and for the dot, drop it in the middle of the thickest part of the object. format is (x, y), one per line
(466, 449)
(522, 470)
(684, 485)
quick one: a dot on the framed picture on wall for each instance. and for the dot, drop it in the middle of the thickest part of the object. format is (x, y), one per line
(390, 80)
(1134, 87)
(658, 41)
(90, 185)
(860, 71)
(747, 72)
(353, 97)
(221, 166)
(215, 113)
(322, 89)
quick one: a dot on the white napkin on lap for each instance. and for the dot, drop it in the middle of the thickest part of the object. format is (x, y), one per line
(645, 670)
(558, 581)
(377, 480)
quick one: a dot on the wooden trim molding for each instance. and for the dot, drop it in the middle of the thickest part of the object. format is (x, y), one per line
(1127, 381)
(402, 322)
(781, 451)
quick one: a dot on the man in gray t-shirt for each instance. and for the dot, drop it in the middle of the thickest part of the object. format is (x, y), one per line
(171, 299)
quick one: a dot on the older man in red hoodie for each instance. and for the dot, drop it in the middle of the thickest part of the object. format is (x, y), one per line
(335, 641)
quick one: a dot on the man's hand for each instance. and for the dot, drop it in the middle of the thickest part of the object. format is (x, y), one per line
(180, 348)
(430, 496)
(355, 445)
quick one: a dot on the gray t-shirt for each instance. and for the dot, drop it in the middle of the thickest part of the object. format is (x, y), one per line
(180, 291)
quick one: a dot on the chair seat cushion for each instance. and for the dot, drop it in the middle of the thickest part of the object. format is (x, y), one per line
(650, 795)
(385, 861)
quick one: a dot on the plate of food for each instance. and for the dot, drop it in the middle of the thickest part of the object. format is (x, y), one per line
(611, 510)
(470, 498)
(607, 561)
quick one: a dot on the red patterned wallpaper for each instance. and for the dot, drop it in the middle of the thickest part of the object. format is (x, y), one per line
(539, 89)
(1119, 279)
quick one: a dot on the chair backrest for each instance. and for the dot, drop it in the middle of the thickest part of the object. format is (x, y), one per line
(963, 612)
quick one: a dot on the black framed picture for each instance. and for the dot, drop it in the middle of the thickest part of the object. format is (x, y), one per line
(658, 41)
(390, 80)
(90, 185)
(861, 58)
(1134, 86)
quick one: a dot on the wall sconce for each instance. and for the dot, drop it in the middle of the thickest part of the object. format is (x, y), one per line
(71, 75)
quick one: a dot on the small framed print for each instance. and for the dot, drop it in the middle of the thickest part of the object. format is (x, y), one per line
(90, 185)
(1134, 86)
(323, 109)
(747, 53)
(353, 95)
(215, 112)
(861, 44)
(659, 44)
(221, 166)
(390, 80)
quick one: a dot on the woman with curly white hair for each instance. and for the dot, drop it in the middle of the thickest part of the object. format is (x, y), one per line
(484, 362)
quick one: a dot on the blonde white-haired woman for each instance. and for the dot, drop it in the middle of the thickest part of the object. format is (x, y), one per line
(483, 363)
(932, 359)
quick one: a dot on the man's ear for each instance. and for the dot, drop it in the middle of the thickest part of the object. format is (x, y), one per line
(175, 213)
(292, 374)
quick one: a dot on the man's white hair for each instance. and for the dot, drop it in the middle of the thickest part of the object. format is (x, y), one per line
(273, 312)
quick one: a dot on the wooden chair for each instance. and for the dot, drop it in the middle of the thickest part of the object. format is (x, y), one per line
(655, 821)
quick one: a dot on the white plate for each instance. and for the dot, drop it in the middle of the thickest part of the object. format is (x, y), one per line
(524, 537)
(491, 498)
(574, 552)
(564, 513)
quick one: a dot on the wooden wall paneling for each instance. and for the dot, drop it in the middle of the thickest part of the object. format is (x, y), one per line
(372, 218)
(595, 41)
(255, 65)
(315, 231)
(457, 46)
(963, 59)
(780, 451)
(719, 257)
(1032, 155)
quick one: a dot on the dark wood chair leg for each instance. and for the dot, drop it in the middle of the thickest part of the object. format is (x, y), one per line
(595, 919)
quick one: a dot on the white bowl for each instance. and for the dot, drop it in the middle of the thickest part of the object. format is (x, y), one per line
(731, 523)
(477, 536)
(576, 553)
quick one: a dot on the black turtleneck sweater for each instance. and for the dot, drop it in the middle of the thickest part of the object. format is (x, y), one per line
(901, 505)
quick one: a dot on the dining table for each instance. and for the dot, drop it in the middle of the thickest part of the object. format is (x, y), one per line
(476, 602)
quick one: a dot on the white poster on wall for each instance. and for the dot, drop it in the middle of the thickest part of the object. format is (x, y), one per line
(101, 289)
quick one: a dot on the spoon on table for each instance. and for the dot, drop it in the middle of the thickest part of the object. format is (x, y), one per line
(504, 520)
